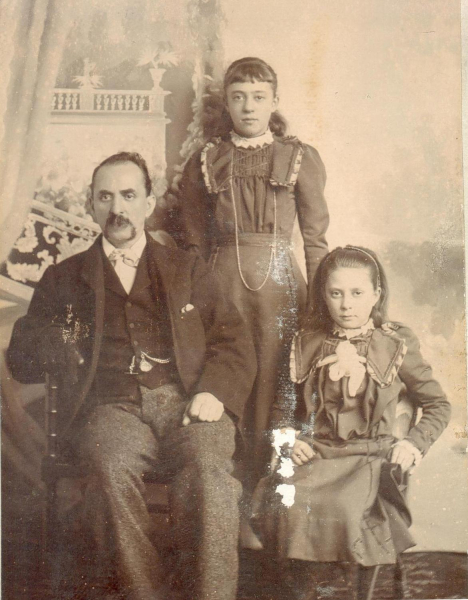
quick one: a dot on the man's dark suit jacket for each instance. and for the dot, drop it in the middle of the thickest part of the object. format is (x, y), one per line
(213, 350)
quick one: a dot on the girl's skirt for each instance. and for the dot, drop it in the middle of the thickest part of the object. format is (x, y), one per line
(348, 507)
(271, 315)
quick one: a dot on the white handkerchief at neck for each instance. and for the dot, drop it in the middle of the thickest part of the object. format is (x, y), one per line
(255, 142)
(351, 333)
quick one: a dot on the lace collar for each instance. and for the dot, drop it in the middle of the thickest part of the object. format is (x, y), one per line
(351, 333)
(255, 142)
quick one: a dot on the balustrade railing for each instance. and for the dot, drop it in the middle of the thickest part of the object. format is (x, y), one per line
(92, 100)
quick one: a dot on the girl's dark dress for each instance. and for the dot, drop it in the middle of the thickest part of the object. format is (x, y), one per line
(348, 504)
(260, 190)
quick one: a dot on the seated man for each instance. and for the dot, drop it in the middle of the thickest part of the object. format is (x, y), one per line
(154, 368)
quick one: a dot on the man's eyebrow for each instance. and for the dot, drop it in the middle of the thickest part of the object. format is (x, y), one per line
(129, 191)
(104, 193)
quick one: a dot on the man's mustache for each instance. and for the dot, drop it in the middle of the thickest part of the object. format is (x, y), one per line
(115, 220)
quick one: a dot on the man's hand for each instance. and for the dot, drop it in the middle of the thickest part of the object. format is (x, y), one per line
(60, 355)
(404, 453)
(204, 407)
(301, 453)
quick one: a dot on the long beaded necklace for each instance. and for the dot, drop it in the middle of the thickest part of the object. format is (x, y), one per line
(236, 233)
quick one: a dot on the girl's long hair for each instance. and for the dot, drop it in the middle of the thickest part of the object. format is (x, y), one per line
(348, 257)
(217, 120)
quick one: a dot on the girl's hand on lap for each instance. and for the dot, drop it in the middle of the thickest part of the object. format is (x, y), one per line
(302, 453)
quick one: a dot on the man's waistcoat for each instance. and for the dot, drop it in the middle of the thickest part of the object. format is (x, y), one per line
(136, 337)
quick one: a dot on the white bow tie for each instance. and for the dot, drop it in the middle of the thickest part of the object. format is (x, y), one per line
(126, 255)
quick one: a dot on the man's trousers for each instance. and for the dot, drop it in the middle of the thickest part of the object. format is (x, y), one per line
(120, 442)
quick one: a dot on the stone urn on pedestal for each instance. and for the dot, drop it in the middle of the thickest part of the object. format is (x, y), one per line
(159, 59)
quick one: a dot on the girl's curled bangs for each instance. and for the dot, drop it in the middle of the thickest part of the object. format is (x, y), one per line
(250, 69)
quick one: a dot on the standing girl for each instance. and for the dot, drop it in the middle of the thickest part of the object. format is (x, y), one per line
(239, 199)
(353, 369)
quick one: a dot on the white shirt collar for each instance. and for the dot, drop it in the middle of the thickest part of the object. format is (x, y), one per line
(255, 142)
(351, 333)
(136, 249)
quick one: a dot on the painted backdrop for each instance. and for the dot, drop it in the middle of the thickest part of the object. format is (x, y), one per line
(373, 85)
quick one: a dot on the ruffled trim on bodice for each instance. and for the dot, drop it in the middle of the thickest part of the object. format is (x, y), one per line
(207, 150)
(280, 162)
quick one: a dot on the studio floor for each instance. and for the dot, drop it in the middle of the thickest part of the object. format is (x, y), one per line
(430, 575)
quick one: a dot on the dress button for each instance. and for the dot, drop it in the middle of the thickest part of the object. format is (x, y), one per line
(132, 325)
(135, 343)
(129, 305)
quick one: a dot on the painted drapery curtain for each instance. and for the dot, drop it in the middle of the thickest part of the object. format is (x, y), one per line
(32, 40)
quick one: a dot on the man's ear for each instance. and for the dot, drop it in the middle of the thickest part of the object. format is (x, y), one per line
(151, 203)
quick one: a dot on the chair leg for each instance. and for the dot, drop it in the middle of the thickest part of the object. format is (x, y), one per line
(49, 524)
(367, 578)
(48, 534)
(400, 582)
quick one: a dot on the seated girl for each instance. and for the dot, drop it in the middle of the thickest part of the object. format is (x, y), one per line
(352, 366)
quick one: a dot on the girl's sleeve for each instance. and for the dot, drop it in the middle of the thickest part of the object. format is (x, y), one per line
(195, 209)
(312, 210)
(426, 392)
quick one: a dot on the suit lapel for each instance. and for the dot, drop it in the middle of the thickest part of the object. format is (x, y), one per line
(161, 271)
(111, 279)
(92, 270)
(92, 273)
(168, 269)
(160, 268)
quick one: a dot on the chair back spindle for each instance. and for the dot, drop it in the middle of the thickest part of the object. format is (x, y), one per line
(51, 416)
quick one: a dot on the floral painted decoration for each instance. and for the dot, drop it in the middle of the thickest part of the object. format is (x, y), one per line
(89, 79)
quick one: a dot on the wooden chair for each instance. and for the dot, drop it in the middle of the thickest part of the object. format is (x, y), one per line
(54, 468)
(407, 415)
